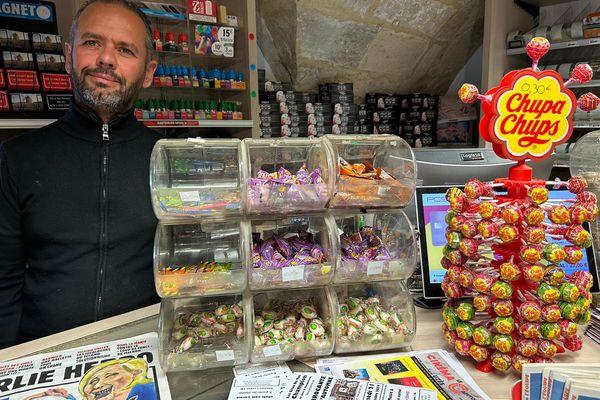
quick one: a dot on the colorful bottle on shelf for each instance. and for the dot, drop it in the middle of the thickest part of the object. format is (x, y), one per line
(158, 73)
(157, 42)
(194, 76)
(182, 42)
(170, 41)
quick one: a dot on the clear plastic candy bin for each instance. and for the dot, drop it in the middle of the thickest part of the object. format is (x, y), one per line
(199, 259)
(204, 332)
(374, 246)
(290, 324)
(195, 178)
(291, 252)
(372, 171)
(286, 175)
(373, 316)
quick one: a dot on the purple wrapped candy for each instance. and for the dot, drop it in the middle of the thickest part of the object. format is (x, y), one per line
(317, 253)
(266, 250)
(315, 176)
(282, 246)
(302, 176)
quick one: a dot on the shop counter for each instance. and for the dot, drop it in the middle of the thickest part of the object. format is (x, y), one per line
(215, 383)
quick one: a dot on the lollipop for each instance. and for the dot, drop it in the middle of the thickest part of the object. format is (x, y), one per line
(567, 328)
(508, 233)
(534, 216)
(464, 330)
(527, 347)
(455, 257)
(456, 222)
(530, 254)
(573, 343)
(576, 184)
(452, 193)
(533, 272)
(538, 194)
(449, 335)
(555, 275)
(554, 253)
(459, 204)
(465, 311)
(550, 330)
(465, 278)
(468, 247)
(536, 49)
(518, 361)
(482, 302)
(503, 308)
(469, 228)
(530, 330)
(579, 214)
(583, 280)
(487, 229)
(570, 311)
(482, 282)
(569, 292)
(592, 211)
(530, 311)
(559, 215)
(535, 234)
(582, 73)
(454, 272)
(482, 336)
(468, 93)
(501, 290)
(586, 197)
(576, 235)
(548, 294)
(474, 189)
(453, 238)
(504, 325)
(511, 214)
(462, 346)
(551, 313)
(588, 102)
(503, 343)
(449, 215)
(584, 317)
(478, 353)
(509, 272)
(500, 361)
(450, 317)
(584, 302)
(488, 210)
(546, 348)
(454, 291)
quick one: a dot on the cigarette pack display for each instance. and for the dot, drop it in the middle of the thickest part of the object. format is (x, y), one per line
(269, 120)
(286, 175)
(17, 59)
(271, 86)
(341, 98)
(57, 103)
(50, 62)
(290, 324)
(267, 96)
(319, 130)
(344, 108)
(340, 88)
(316, 108)
(292, 251)
(14, 39)
(343, 119)
(195, 178)
(362, 112)
(4, 103)
(385, 116)
(373, 171)
(272, 131)
(425, 135)
(383, 101)
(290, 107)
(26, 102)
(56, 82)
(200, 258)
(343, 129)
(374, 246)
(385, 129)
(407, 132)
(364, 129)
(295, 131)
(373, 317)
(46, 41)
(267, 107)
(204, 332)
(22, 80)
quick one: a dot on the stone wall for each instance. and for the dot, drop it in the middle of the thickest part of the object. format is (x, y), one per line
(393, 46)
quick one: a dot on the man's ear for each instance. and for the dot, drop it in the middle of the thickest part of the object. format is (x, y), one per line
(68, 57)
(149, 73)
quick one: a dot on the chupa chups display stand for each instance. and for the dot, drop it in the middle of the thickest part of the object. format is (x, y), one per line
(523, 307)
(246, 249)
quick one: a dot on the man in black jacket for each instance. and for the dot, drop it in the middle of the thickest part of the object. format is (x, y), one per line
(76, 223)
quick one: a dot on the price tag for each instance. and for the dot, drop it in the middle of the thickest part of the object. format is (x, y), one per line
(271, 351)
(292, 273)
(225, 355)
(189, 196)
(375, 267)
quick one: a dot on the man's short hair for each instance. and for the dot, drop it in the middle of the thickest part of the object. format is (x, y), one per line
(128, 4)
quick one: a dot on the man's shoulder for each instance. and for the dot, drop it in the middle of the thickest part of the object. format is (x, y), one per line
(31, 139)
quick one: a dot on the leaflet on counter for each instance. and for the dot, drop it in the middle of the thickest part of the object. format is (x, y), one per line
(433, 369)
(127, 368)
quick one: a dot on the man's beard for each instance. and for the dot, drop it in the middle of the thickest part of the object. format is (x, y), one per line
(115, 102)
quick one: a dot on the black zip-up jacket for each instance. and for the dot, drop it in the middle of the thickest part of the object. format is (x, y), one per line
(76, 225)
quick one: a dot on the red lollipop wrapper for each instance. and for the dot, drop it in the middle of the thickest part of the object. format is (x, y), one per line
(582, 73)
(577, 235)
(503, 308)
(592, 211)
(530, 311)
(568, 328)
(533, 272)
(530, 330)
(559, 215)
(527, 347)
(583, 280)
(501, 361)
(454, 272)
(579, 214)
(518, 361)
(511, 214)
(530, 254)
(586, 197)
(538, 194)
(577, 184)
(462, 346)
(459, 204)
(508, 233)
(465, 278)
(588, 102)
(535, 234)
(450, 336)
(483, 282)
(546, 348)
(469, 228)
(487, 229)
(474, 189)
(551, 313)
(482, 302)
(574, 343)
(488, 210)
(468, 93)
(534, 216)
(468, 247)
(479, 353)
(537, 48)
(509, 272)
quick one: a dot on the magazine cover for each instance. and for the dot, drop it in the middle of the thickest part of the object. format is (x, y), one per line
(126, 369)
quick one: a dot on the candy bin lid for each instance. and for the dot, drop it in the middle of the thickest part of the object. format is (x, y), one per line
(195, 177)
(372, 171)
(296, 323)
(374, 245)
(290, 251)
(286, 175)
(204, 332)
(200, 258)
(373, 316)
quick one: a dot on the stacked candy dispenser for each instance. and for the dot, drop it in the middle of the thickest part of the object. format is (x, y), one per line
(509, 302)
(376, 247)
(199, 253)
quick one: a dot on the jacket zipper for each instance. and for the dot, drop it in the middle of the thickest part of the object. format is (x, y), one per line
(103, 224)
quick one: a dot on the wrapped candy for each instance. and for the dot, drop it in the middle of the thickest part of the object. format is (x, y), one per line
(569, 311)
(559, 215)
(530, 311)
(454, 272)
(546, 348)
(500, 361)
(592, 211)
(474, 189)
(503, 308)
(504, 325)
(578, 214)
(450, 317)
(456, 222)
(584, 317)
(482, 302)
(535, 234)
(511, 214)
(453, 290)
(501, 290)
(534, 216)
(449, 335)
(586, 197)
(554, 275)
(509, 272)
(518, 361)
(479, 353)
(469, 228)
(533, 272)
(465, 311)
(576, 235)
(576, 184)
(508, 233)
(483, 282)
(550, 330)
(537, 48)
(453, 239)
(452, 193)
(464, 330)
(456, 257)
(588, 102)
(554, 253)
(569, 292)
(567, 328)
(583, 280)
(527, 347)
(551, 312)
(468, 247)
(459, 204)
(530, 254)
(582, 73)
(584, 302)
(462, 346)
(488, 210)
(573, 343)
(538, 194)
(482, 336)
(547, 293)
(487, 229)
(503, 343)
(530, 330)
(468, 93)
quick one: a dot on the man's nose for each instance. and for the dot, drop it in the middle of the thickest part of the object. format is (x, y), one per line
(107, 58)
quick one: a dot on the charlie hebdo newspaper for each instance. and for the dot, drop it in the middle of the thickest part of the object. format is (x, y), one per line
(125, 369)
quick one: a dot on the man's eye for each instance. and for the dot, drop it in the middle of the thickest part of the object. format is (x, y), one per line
(91, 43)
(126, 51)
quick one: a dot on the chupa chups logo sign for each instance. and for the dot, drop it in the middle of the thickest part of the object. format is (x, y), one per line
(532, 114)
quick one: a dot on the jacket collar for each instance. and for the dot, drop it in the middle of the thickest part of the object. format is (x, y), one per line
(86, 125)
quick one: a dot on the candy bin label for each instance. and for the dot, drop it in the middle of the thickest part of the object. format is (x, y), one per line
(532, 115)
(375, 267)
(224, 355)
(272, 351)
(292, 273)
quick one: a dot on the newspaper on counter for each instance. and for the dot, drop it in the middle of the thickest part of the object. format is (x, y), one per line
(433, 369)
(125, 369)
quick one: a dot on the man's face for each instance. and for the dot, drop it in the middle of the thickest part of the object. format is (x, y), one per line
(109, 384)
(107, 59)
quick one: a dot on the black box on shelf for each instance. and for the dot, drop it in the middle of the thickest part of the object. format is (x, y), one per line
(292, 107)
(385, 116)
(46, 41)
(267, 107)
(343, 130)
(57, 102)
(294, 119)
(274, 131)
(345, 108)
(14, 39)
(50, 62)
(17, 60)
(385, 129)
(343, 119)
(271, 86)
(341, 98)
(318, 108)
(364, 129)
(26, 102)
(340, 88)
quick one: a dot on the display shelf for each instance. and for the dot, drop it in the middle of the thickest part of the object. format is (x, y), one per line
(463, 119)
(592, 83)
(192, 123)
(199, 88)
(24, 123)
(235, 28)
(164, 17)
(215, 59)
(586, 124)
(560, 45)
